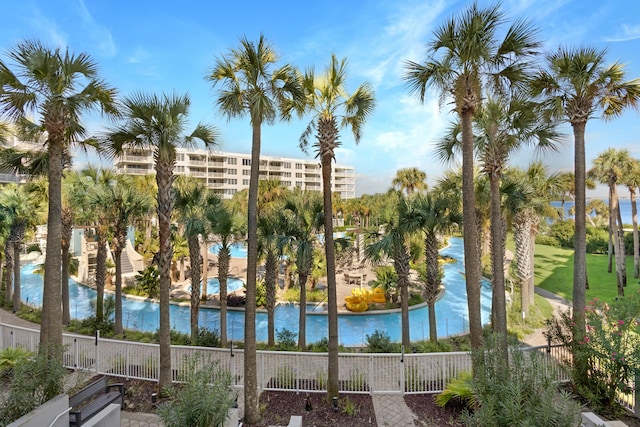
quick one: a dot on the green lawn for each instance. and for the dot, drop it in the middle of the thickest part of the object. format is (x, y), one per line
(554, 272)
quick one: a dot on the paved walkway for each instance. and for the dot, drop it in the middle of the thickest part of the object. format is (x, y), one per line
(390, 409)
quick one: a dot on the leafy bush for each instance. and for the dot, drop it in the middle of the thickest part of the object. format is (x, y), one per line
(458, 389)
(379, 342)
(597, 240)
(526, 394)
(563, 231)
(545, 239)
(261, 294)
(10, 357)
(203, 400)
(32, 382)
(415, 299)
(208, 337)
(147, 281)
(321, 346)
(286, 340)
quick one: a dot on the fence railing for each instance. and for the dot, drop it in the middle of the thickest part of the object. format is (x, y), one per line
(293, 371)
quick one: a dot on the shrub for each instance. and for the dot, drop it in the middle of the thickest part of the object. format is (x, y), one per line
(203, 400)
(458, 389)
(261, 294)
(563, 231)
(545, 239)
(597, 240)
(208, 337)
(321, 346)
(286, 340)
(521, 393)
(379, 342)
(32, 382)
(147, 281)
(10, 357)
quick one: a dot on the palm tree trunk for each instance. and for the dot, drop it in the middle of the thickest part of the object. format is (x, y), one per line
(580, 250)
(251, 411)
(623, 251)
(433, 282)
(101, 275)
(499, 322)
(8, 264)
(471, 255)
(271, 269)
(117, 255)
(401, 264)
(223, 274)
(614, 231)
(636, 239)
(67, 227)
(195, 276)
(51, 325)
(16, 276)
(302, 322)
(332, 299)
(164, 168)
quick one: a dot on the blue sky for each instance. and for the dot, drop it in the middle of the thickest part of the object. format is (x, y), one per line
(161, 46)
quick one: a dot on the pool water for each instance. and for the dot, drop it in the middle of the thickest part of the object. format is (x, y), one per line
(451, 311)
(238, 250)
(213, 285)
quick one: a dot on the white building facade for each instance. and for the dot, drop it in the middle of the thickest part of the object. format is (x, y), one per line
(227, 173)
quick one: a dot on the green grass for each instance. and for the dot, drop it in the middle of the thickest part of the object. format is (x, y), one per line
(554, 272)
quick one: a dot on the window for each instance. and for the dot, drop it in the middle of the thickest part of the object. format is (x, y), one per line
(231, 171)
(298, 165)
(246, 162)
(232, 160)
(298, 175)
(245, 182)
(286, 174)
(286, 165)
(231, 181)
(246, 172)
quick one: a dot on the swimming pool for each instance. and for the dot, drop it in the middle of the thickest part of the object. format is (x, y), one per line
(238, 250)
(141, 314)
(213, 285)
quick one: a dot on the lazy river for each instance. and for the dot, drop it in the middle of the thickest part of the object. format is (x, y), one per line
(140, 314)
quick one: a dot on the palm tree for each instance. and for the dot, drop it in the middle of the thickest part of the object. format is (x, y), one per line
(227, 225)
(578, 84)
(393, 242)
(608, 169)
(435, 215)
(410, 180)
(157, 123)
(192, 199)
(472, 58)
(631, 178)
(305, 221)
(129, 203)
(55, 87)
(253, 86)
(269, 229)
(333, 109)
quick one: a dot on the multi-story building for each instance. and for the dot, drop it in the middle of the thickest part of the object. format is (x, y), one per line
(227, 173)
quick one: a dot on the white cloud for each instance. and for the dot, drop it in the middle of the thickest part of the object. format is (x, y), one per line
(628, 33)
(98, 33)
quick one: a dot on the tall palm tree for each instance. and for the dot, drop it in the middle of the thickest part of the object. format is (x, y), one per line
(393, 242)
(192, 199)
(333, 108)
(269, 229)
(608, 168)
(226, 224)
(435, 215)
(578, 84)
(253, 86)
(410, 180)
(157, 123)
(305, 221)
(55, 87)
(129, 203)
(464, 59)
(631, 178)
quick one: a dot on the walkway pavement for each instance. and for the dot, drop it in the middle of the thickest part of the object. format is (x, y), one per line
(390, 409)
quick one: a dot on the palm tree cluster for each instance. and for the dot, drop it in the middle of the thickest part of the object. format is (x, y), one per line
(505, 96)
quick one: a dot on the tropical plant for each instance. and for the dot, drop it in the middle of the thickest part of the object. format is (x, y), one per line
(333, 108)
(631, 178)
(192, 200)
(228, 226)
(434, 214)
(608, 169)
(305, 220)
(410, 180)
(55, 87)
(253, 86)
(387, 280)
(465, 58)
(577, 84)
(157, 123)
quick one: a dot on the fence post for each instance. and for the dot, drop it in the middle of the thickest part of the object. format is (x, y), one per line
(97, 345)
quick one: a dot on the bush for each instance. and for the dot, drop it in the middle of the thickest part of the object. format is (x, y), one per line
(203, 400)
(379, 342)
(286, 340)
(208, 337)
(545, 239)
(10, 357)
(563, 232)
(521, 393)
(321, 346)
(597, 240)
(261, 294)
(32, 383)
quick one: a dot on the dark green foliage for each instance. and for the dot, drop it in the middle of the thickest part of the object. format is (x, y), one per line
(563, 231)
(261, 294)
(208, 337)
(286, 340)
(33, 381)
(321, 346)
(597, 240)
(523, 394)
(545, 239)
(379, 342)
(204, 398)
(147, 281)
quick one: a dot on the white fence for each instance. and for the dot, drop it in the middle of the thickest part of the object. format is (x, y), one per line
(300, 372)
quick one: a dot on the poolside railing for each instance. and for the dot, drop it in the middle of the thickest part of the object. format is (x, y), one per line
(414, 373)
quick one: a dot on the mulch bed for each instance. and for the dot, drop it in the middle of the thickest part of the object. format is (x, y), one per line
(430, 414)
